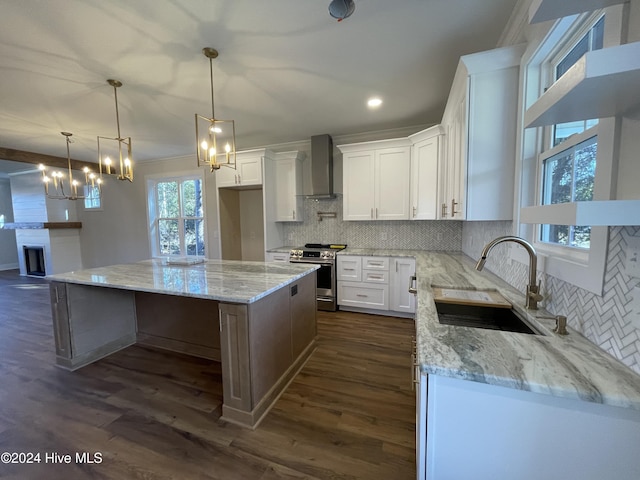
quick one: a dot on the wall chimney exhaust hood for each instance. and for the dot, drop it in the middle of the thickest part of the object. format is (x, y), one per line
(321, 167)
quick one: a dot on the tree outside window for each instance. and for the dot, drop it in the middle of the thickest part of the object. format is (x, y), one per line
(180, 217)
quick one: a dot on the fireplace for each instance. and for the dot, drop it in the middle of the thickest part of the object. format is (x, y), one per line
(34, 260)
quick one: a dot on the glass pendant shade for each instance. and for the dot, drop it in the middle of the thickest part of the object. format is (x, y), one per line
(215, 139)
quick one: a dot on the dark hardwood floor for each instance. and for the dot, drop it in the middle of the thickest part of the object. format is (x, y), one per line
(151, 414)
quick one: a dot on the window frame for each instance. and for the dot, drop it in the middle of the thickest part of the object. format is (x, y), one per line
(99, 198)
(153, 217)
(576, 266)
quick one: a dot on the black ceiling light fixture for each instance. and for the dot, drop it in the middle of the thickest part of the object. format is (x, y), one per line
(341, 9)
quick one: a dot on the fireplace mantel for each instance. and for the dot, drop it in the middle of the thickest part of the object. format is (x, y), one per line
(40, 225)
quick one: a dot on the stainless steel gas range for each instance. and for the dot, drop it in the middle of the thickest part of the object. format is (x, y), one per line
(323, 255)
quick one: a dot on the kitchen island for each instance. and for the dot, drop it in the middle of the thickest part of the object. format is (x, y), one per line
(257, 319)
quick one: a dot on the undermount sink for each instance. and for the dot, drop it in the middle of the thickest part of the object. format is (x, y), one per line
(481, 316)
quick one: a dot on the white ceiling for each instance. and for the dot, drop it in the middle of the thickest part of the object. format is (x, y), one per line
(286, 69)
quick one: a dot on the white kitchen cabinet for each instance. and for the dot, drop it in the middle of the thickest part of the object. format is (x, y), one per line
(375, 284)
(248, 171)
(401, 270)
(480, 121)
(470, 429)
(369, 288)
(276, 257)
(288, 187)
(349, 269)
(426, 158)
(376, 180)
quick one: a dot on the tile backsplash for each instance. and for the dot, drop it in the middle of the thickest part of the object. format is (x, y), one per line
(405, 235)
(605, 320)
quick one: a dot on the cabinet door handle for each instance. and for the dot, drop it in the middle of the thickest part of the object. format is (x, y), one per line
(349, 269)
(412, 285)
(376, 212)
(453, 207)
(414, 212)
(294, 214)
(239, 179)
(361, 295)
(372, 214)
(375, 276)
(444, 210)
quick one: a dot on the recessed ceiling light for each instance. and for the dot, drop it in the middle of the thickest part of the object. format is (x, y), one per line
(374, 102)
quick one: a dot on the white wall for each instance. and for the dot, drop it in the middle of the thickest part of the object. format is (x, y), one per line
(118, 232)
(8, 248)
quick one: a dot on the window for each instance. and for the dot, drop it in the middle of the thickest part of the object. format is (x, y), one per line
(567, 162)
(92, 200)
(568, 174)
(591, 40)
(176, 214)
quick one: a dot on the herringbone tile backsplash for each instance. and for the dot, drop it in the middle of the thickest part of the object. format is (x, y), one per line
(411, 235)
(605, 320)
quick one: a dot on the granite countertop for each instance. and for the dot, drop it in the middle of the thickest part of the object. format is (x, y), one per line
(565, 366)
(222, 280)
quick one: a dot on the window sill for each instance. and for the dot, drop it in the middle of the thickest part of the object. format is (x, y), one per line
(594, 213)
(603, 83)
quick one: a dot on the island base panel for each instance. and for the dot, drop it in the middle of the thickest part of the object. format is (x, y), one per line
(180, 324)
(90, 322)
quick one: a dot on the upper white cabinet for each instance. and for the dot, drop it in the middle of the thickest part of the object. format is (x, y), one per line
(376, 180)
(480, 123)
(248, 171)
(288, 186)
(603, 83)
(426, 158)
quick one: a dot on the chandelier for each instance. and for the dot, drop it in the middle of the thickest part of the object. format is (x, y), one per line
(215, 139)
(59, 186)
(117, 148)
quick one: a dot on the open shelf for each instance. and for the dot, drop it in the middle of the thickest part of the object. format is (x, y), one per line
(543, 10)
(603, 83)
(594, 213)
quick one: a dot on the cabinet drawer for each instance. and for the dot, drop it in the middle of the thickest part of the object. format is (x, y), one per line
(277, 257)
(349, 268)
(375, 263)
(375, 276)
(364, 295)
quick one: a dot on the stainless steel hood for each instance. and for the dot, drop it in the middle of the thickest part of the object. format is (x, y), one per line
(321, 167)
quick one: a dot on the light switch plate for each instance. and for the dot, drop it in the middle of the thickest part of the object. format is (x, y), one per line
(632, 260)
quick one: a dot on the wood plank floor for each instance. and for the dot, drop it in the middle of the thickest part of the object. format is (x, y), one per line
(152, 414)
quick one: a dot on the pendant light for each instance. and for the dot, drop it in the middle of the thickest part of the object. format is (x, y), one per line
(118, 148)
(215, 138)
(59, 186)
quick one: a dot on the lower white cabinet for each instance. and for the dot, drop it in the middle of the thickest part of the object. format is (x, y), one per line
(375, 283)
(475, 430)
(401, 271)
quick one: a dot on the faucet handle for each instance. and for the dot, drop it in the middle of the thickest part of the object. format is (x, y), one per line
(561, 324)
